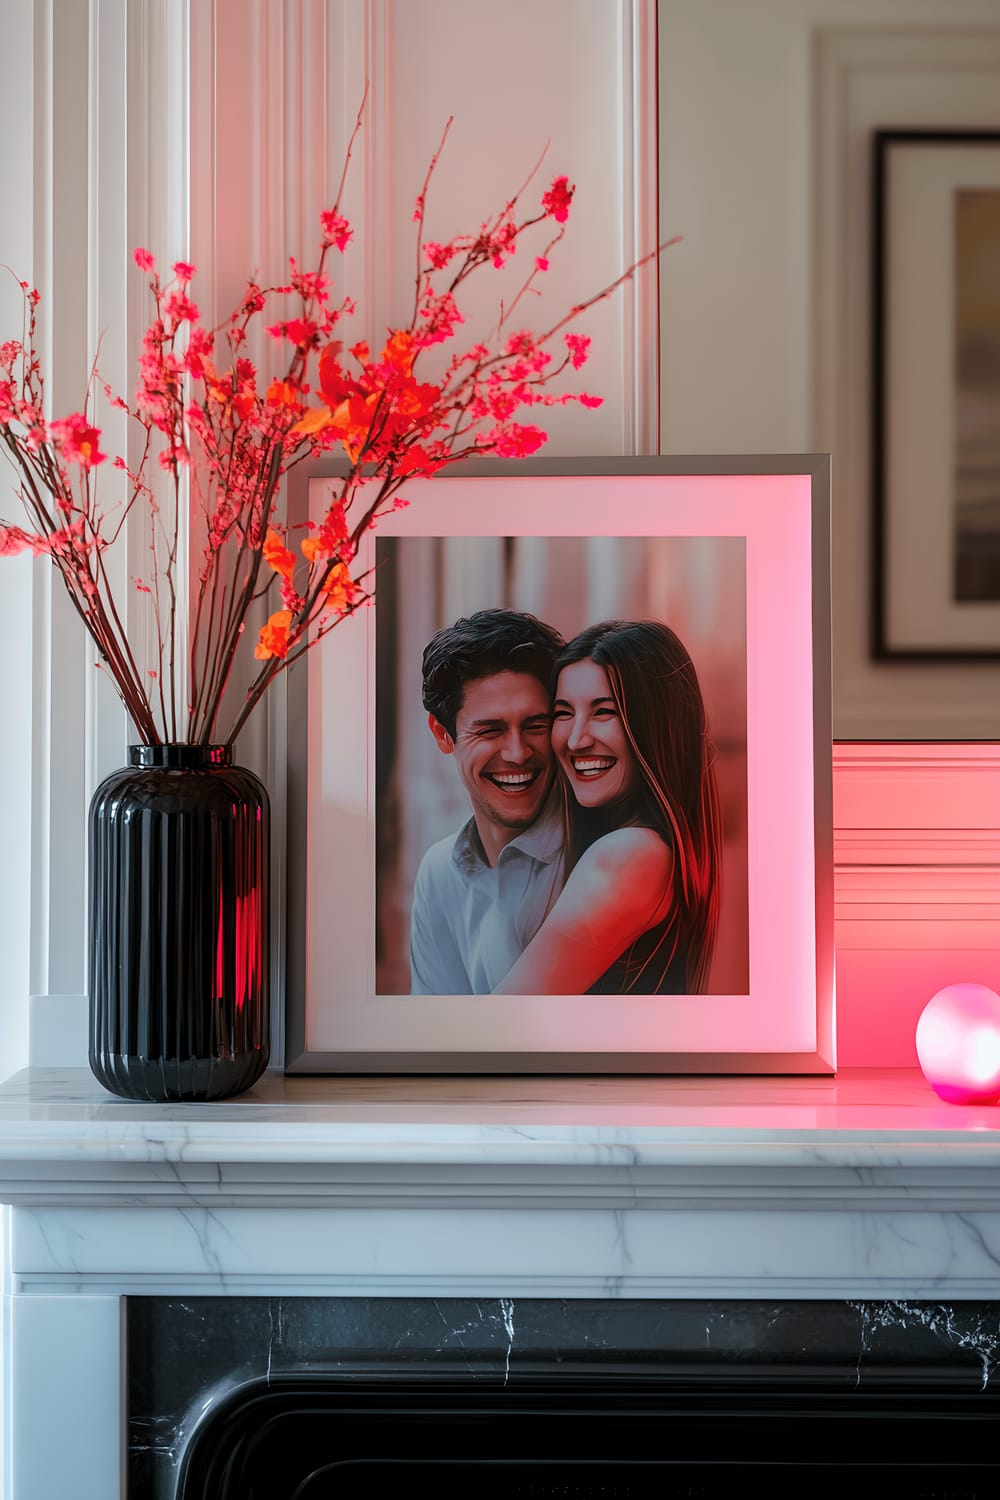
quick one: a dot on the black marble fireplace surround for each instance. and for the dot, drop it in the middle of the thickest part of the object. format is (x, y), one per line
(307, 1398)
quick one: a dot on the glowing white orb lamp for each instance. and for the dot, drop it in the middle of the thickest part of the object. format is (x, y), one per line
(958, 1044)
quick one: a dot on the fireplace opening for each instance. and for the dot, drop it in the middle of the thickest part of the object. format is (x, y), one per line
(555, 1436)
(311, 1398)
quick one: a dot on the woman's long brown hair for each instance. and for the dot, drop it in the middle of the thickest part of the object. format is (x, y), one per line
(658, 698)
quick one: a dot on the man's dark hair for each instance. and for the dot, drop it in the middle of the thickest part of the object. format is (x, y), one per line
(490, 641)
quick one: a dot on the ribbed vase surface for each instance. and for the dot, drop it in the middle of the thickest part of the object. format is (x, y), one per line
(179, 961)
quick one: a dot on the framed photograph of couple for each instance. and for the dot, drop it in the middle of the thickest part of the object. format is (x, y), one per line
(561, 800)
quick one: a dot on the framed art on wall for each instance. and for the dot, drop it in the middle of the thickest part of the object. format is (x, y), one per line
(936, 395)
(563, 802)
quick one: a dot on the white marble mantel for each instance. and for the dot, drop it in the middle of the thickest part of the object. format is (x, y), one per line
(862, 1185)
(859, 1187)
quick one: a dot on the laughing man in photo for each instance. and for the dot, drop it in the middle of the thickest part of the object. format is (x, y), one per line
(481, 893)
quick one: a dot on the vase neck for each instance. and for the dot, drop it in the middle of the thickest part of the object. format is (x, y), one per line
(179, 757)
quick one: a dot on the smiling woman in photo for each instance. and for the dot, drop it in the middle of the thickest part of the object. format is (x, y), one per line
(640, 907)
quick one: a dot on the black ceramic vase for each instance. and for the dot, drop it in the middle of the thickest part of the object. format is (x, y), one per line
(179, 963)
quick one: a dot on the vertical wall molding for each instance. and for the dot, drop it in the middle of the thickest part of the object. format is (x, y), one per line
(274, 93)
(20, 580)
(640, 220)
(60, 688)
(106, 78)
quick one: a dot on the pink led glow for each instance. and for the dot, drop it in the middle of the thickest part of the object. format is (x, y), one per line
(243, 934)
(958, 1044)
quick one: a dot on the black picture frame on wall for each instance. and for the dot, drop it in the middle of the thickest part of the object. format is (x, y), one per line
(935, 473)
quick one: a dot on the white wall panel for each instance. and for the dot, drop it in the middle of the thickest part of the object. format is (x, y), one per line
(94, 88)
(574, 76)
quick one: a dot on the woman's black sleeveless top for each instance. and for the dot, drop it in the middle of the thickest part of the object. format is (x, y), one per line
(646, 967)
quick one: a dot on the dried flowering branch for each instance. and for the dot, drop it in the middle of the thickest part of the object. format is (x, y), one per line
(218, 440)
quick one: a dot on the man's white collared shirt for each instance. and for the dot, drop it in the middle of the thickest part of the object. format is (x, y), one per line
(470, 921)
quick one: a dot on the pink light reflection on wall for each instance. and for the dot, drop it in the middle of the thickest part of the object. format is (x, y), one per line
(916, 828)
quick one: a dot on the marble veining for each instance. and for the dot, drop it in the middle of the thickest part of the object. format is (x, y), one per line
(485, 1315)
(975, 1329)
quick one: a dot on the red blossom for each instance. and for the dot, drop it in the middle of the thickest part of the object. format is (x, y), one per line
(77, 440)
(557, 200)
(521, 343)
(144, 260)
(333, 383)
(254, 301)
(114, 400)
(180, 309)
(330, 536)
(513, 440)
(290, 596)
(13, 540)
(183, 271)
(419, 461)
(439, 255)
(336, 230)
(440, 314)
(578, 345)
(68, 544)
(503, 242)
(311, 285)
(198, 352)
(299, 331)
(174, 456)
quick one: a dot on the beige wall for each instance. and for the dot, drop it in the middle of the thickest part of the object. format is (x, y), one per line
(766, 114)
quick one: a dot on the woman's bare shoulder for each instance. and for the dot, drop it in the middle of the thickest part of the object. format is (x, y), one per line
(638, 850)
(627, 873)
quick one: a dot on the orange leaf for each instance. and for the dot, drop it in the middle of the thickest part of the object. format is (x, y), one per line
(399, 351)
(312, 420)
(274, 636)
(277, 555)
(283, 393)
(340, 588)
